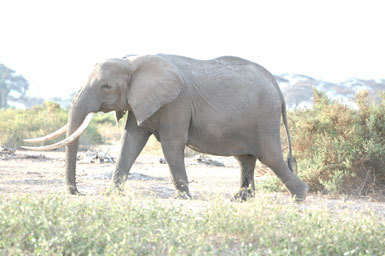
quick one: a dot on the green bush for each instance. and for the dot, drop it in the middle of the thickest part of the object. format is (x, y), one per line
(16, 125)
(340, 149)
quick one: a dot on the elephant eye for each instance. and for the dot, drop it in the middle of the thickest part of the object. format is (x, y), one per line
(106, 86)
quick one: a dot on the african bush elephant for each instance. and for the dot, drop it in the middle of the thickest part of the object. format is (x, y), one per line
(226, 106)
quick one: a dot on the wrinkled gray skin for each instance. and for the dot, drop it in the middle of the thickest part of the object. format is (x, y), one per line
(226, 106)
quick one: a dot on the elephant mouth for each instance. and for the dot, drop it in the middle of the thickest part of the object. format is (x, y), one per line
(59, 132)
(105, 107)
(115, 104)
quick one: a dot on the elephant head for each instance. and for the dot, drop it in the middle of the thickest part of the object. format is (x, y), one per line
(138, 84)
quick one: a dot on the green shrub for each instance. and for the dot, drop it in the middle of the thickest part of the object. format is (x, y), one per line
(16, 125)
(340, 149)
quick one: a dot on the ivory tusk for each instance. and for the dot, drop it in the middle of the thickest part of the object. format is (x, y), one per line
(49, 136)
(67, 140)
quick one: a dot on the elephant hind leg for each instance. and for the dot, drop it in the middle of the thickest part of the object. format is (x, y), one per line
(270, 154)
(247, 165)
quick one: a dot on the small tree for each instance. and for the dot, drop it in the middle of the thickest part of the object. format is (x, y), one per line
(9, 81)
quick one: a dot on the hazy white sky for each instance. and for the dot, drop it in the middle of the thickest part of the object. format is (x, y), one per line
(55, 44)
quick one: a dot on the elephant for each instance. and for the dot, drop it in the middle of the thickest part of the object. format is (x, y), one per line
(226, 106)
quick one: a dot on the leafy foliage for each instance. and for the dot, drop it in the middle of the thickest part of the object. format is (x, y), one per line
(10, 82)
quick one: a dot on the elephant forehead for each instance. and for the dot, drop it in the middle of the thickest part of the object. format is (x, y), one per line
(106, 70)
(97, 74)
(111, 64)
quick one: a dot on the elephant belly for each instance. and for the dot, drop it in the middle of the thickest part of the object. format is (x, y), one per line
(223, 138)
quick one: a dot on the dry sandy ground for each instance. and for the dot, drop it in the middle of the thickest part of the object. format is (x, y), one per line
(43, 173)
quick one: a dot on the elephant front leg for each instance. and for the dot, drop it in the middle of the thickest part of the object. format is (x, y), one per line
(247, 165)
(132, 142)
(174, 154)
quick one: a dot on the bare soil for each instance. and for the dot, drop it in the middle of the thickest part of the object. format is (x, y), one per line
(40, 173)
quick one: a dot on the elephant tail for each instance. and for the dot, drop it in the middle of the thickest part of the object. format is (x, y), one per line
(291, 162)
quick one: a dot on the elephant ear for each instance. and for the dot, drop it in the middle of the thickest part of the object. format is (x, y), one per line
(155, 82)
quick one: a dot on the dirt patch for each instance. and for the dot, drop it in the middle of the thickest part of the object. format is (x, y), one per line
(43, 173)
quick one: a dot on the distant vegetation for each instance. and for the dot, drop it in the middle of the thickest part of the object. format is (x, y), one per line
(16, 125)
(9, 82)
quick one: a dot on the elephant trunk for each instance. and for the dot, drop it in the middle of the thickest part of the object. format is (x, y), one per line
(79, 109)
(71, 152)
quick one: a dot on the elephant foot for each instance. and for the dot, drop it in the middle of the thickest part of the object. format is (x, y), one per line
(185, 195)
(77, 193)
(243, 194)
(116, 187)
(73, 191)
(114, 190)
(299, 192)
